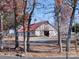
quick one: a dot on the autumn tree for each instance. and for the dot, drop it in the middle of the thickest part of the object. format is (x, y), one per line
(19, 11)
(12, 11)
(28, 27)
(5, 9)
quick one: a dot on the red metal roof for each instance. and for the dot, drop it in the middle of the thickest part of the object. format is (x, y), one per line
(33, 26)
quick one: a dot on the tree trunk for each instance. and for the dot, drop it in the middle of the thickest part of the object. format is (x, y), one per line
(24, 25)
(59, 22)
(70, 27)
(16, 33)
(69, 32)
(28, 27)
(1, 31)
(58, 19)
(59, 39)
(28, 36)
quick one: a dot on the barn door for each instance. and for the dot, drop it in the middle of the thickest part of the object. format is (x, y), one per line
(46, 33)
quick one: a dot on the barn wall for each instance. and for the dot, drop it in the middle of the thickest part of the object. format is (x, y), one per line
(45, 27)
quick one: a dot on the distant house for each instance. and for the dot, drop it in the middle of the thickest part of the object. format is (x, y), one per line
(41, 29)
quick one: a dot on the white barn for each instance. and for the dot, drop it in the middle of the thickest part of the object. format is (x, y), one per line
(45, 29)
(41, 29)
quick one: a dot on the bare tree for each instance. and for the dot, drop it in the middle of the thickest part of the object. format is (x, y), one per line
(73, 5)
(58, 19)
(28, 28)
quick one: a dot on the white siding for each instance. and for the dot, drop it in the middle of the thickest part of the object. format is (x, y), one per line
(45, 27)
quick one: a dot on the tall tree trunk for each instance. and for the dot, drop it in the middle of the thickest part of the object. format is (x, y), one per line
(59, 22)
(24, 25)
(70, 26)
(58, 19)
(59, 39)
(28, 28)
(28, 35)
(68, 41)
(1, 30)
(16, 33)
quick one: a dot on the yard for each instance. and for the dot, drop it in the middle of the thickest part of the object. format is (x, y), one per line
(40, 47)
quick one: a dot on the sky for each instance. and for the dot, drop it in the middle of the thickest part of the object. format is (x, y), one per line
(44, 11)
(77, 13)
